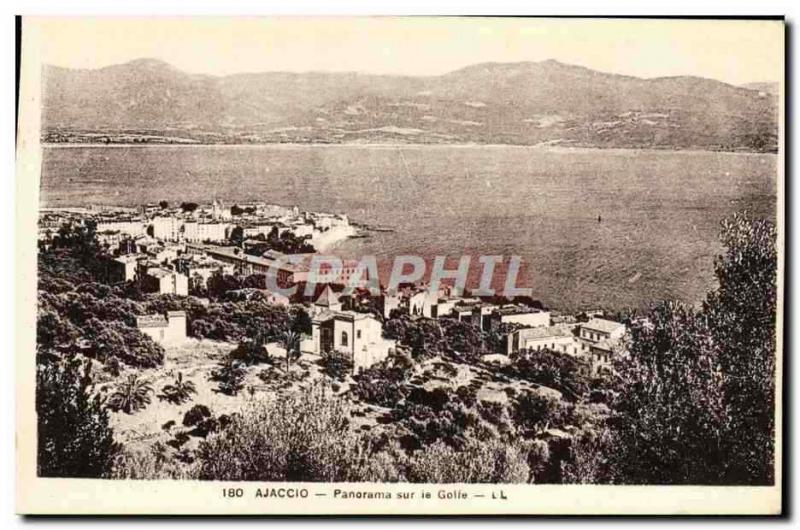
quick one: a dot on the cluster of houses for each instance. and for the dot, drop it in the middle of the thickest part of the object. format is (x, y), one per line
(181, 250)
(527, 327)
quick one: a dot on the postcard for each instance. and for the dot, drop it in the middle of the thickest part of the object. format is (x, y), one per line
(400, 266)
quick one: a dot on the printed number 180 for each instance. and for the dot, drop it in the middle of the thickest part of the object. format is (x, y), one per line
(233, 492)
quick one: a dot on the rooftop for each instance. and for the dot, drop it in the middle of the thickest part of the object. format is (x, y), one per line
(603, 325)
(327, 298)
(517, 310)
(546, 332)
(349, 316)
(158, 272)
(151, 321)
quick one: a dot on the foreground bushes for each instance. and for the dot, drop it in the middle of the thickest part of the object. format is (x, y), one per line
(303, 437)
(74, 438)
(308, 437)
(489, 462)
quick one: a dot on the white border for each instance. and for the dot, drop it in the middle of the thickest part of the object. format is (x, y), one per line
(237, 7)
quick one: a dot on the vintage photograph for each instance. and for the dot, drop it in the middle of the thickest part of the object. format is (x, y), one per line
(405, 251)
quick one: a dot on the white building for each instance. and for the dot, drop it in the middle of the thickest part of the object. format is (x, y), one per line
(556, 338)
(358, 335)
(169, 330)
(527, 316)
(167, 228)
(197, 232)
(165, 281)
(599, 329)
(602, 337)
(123, 268)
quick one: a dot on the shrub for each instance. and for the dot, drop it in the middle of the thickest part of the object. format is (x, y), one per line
(538, 412)
(74, 438)
(553, 369)
(195, 415)
(251, 351)
(179, 391)
(302, 437)
(486, 462)
(130, 395)
(152, 464)
(337, 364)
(229, 374)
(384, 384)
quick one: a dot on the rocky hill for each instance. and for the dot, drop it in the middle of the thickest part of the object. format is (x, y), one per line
(526, 103)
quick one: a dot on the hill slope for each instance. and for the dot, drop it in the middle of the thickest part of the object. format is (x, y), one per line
(516, 103)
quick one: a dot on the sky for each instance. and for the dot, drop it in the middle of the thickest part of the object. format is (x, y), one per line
(735, 52)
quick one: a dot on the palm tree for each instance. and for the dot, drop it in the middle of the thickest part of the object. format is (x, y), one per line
(290, 340)
(179, 391)
(131, 395)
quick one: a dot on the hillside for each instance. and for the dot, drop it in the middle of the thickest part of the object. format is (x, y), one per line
(515, 103)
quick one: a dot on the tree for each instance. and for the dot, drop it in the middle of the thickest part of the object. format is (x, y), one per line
(553, 369)
(130, 395)
(301, 321)
(290, 340)
(252, 351)
(74, 437)
(237, 234)
(695, 401)
(538, 412)
(179, 391)
(189, 206)
(163, 205)
(742, 321)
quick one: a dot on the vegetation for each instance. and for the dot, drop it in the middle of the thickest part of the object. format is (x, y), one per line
(286, 243)
(178, 392)
(230, 375)
(304, 437)
(696, 398)
(557, 370)
(337, 365)
(290, 340)
(130, 395)
(74, 437)
(691, 399)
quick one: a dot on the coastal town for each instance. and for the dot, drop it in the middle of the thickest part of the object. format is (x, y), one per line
(185, 249)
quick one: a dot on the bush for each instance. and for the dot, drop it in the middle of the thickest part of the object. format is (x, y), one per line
(195, 415)
(179, 391)
(152, 464)
(535, 412)
(482, 462)
(130, 395)
(251, 351)
(302, 437)
(74, 437)
(230, 375)
(337, 364)
(552, 369)
(381, 385)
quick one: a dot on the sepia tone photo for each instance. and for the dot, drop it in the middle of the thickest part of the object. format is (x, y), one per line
(400, 265)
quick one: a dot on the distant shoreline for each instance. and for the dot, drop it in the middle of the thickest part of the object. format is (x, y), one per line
(290, 145)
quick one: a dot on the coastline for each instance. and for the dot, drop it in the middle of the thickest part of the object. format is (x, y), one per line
(329, 240)
(374, 145)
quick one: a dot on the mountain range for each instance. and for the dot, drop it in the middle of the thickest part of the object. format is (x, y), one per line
(528, 103)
